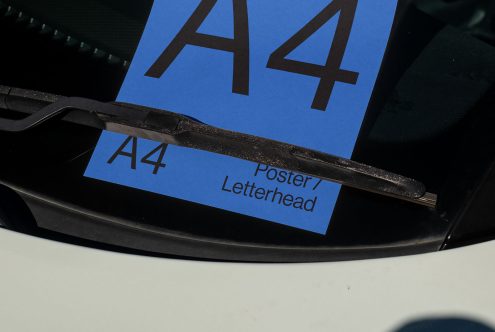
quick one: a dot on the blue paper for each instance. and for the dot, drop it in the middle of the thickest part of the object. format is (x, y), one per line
(199, 83)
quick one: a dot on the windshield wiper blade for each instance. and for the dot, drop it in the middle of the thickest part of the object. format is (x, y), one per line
(177, 129)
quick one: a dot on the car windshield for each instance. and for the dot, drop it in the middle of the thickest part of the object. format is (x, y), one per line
(429, 118)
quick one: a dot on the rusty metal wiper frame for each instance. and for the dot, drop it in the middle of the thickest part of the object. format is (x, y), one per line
(176, 129)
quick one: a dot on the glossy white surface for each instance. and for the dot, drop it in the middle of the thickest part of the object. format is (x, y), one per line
(48, 286)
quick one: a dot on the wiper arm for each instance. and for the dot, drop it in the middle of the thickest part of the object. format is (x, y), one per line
(176, 129)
